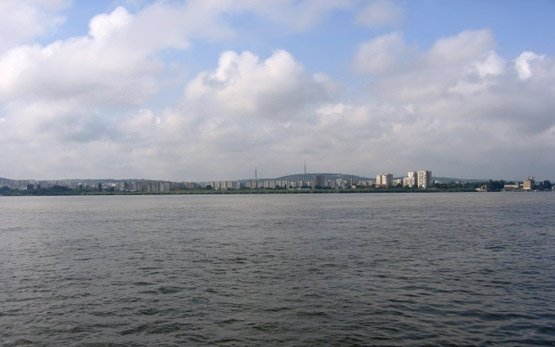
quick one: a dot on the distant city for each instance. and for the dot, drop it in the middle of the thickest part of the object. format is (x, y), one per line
(414, 181)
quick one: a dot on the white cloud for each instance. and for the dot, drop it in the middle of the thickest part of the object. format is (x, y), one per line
(493, 65)
(80, 92)
(24, 21)
(461, 63)
(461, 48)
(82, 103)
(105, 24)
(116, 64)
(380, 13)
(523, 64)
(464, 104)
(381, 54)
(242, 85)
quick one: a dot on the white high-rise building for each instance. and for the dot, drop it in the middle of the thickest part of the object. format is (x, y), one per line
(411, 180)
(424, 179)
(384, 180)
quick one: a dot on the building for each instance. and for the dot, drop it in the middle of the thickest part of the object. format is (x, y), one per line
(384, 180)
(411, 180)
(528, 184)
(319, 182)
(510, 187)
(424, 179)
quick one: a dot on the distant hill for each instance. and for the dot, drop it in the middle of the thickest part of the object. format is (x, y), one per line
(327, 176)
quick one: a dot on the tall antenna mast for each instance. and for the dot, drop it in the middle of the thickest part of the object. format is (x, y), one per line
(305, 167)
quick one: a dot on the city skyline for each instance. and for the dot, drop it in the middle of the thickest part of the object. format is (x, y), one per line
(412, 179)
(212, 90)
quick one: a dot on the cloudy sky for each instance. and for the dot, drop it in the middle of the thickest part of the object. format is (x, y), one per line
(198, 90)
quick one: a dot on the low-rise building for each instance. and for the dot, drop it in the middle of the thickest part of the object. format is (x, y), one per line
(511, 187)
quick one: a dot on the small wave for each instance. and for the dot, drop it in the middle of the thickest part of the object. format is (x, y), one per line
(312, 314)
(278, 309)
(228, 341)
(266, 327)
(164, 328)
(228, 321)
(101, 344)
(169, 289)
(23, 342)
(135, 330)
(238, 260)
(148, 311)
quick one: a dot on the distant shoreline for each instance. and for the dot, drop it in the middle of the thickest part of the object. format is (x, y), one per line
(252, 192)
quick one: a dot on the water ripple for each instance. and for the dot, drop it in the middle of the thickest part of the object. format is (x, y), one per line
(345, 270)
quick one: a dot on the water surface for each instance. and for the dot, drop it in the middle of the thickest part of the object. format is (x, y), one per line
(294, 270)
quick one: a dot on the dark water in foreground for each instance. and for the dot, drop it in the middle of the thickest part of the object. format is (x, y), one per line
(345, 269)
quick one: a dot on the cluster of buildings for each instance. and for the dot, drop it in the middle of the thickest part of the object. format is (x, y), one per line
(146, 186)
(421, 179)
(143, 186)
(526, 185)
(259, 184)
(319, 182)
(415, 179)
(39, 184)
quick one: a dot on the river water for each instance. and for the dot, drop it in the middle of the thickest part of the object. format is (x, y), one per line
(292, 270)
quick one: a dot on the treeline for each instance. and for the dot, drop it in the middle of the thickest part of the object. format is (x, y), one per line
(54, 190)
(491, 185)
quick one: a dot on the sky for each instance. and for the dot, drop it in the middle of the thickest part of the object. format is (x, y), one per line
(214, 89)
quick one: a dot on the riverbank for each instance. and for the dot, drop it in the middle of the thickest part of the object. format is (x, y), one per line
(50, 192)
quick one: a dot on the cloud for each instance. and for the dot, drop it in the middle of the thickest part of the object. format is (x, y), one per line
(465, 103)
(242, 85)
(242, 111)
(24, 21)
(461, 48)
(105, 24)
(461, 63)
(98, 68)
(381, 54)
(525, 62)
(82, 92)
(493, 65)
(81, 106)
(380, 13)
(119, 61)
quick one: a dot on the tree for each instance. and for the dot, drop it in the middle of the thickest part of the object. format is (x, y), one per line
(5, 190)
(545, 185)
(495, 186)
